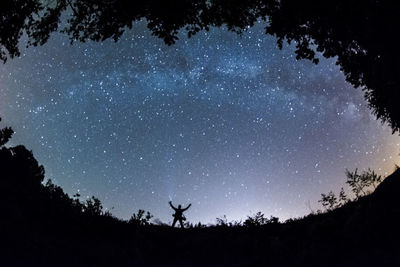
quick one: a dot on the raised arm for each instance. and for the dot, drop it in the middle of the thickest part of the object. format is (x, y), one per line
(172, 206)
(187, 207)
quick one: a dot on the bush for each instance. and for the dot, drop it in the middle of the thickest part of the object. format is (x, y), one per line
(141, 218)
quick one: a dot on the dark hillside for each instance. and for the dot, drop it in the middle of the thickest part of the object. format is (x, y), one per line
(388, 191)
(361, 233)
(40, 225)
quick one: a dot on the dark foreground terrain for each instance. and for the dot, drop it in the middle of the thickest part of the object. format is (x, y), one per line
(45, 233)
(40, 225)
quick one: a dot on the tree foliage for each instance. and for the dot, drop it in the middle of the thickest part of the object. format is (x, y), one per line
(259, 219)
(361, 184)
(359, 34)
(20, 173)
(15, 16)
(23, 191)
(223, 221)
(141, 218)
(5, 135)
(93, 206)
(330, 201)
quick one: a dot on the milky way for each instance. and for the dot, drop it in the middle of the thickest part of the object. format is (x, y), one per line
(228, 123)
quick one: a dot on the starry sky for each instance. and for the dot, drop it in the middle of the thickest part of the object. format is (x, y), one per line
(228, 123)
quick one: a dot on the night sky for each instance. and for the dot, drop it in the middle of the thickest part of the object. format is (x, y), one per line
(228, 123)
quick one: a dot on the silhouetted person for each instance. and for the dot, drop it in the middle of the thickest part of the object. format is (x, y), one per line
(178, 215)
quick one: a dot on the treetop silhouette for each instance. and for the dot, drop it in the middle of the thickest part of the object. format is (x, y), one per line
(359, 34)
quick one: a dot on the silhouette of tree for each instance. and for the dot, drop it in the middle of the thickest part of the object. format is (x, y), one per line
(259, 219)
(20, 172)
(329, 201)
(273, 220)
(15, 18)
(5, 135)
(359, 34)
(21, 180)
(141, 218)
(222, 221)
(23, 193)
(342, 197)
(255, 220)
(360, 184)
(364, 183)
(93, 206)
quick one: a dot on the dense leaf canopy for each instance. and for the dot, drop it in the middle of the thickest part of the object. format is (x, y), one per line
(360, 34)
